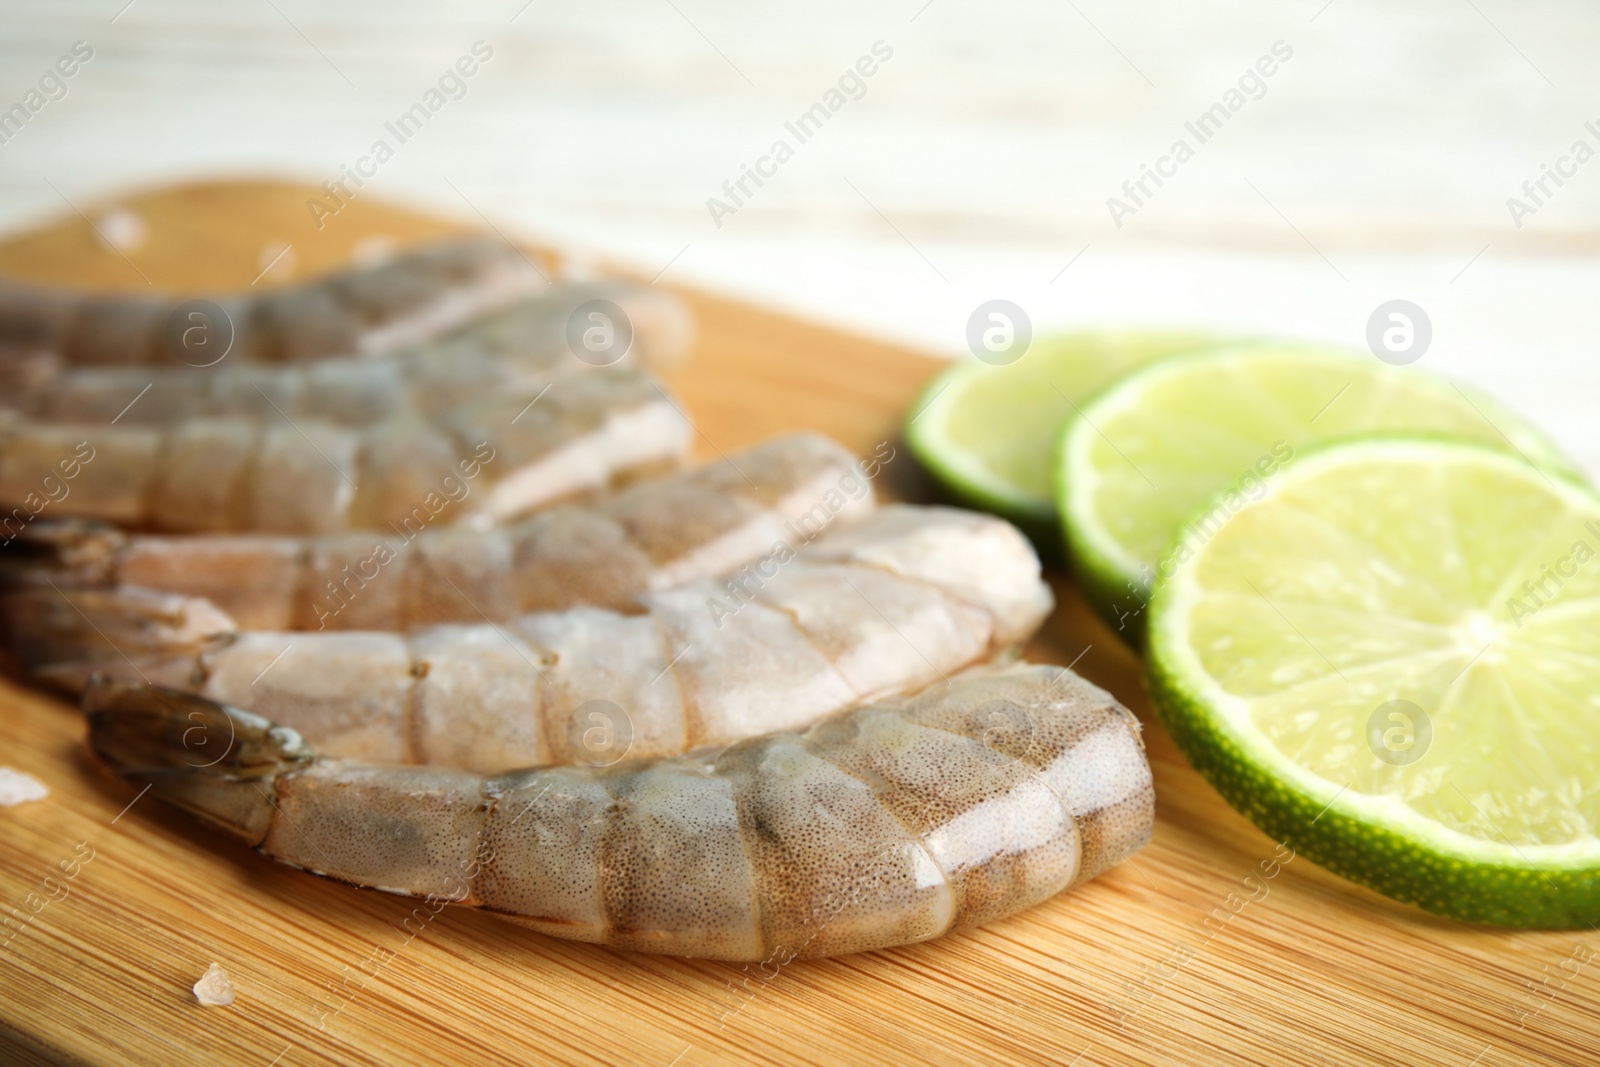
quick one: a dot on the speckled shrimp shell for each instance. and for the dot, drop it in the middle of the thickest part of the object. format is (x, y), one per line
(901, 599)
(502, 455)
(607, 552)
(525, 346)
(889, 824)
(370, 309)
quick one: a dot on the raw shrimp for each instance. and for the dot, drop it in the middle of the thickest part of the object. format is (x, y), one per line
(492, 458)
(896, 601)
(524, 346)
(890, 824)
(606, 552)
(416, 294)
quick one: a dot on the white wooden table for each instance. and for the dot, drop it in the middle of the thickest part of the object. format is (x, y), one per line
(976, 163)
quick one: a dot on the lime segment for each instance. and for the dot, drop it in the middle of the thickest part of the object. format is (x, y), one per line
(1392, 659)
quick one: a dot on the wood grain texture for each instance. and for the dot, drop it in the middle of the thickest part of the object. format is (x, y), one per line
(1315, 972)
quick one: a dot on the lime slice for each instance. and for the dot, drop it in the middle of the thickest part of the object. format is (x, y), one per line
(989, 433)
(1392, 661)
(1145, 454)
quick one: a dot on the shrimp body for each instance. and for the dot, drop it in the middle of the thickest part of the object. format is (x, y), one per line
(522, 347)
(607, 551)
(514, 451)
(372, 309)
(886, 825)
(899, 600)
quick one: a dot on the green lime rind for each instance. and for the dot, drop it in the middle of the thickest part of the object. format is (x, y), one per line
(1110, 575)
(1366, 839)
(1122, 605)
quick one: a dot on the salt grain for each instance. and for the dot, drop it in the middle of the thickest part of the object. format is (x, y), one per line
(214, 990)
(19, 788)
(121, 230)
(277, 259)
(375, 250)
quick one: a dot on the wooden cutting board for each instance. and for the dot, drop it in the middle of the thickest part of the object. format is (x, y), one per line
(1299, 968)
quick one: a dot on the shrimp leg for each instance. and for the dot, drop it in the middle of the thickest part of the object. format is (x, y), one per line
(415, 295)
(899, 600)
(606, 552)
(887, 825)
(525, 346)
(274, 474)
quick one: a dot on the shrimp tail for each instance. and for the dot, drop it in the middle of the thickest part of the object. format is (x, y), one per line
(63, 635)
(215, 762)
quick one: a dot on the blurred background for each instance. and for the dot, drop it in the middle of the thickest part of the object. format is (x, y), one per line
(1375, 162)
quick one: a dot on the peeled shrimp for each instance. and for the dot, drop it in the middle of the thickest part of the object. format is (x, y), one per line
(359, 310)
(890, 824)
(606, 552)
(491, 458)
(896, 601)
(525, 346)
